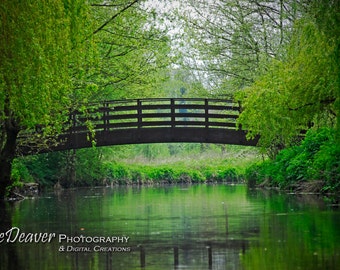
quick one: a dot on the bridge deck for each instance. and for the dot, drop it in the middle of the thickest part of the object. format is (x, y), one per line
(151, 121)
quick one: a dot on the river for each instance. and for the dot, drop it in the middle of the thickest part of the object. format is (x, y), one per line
(170, 227)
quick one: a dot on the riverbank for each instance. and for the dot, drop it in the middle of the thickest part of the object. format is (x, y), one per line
(311, 167)
(205, 168)
(120, 174)
(310, 187)
(99, 167)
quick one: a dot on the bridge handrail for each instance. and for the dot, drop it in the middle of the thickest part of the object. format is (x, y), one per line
(161, 99)
(155, 112)
(146, 120)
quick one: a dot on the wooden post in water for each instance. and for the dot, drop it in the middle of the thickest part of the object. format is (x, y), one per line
(76, 262)
(109, 261)
(226, 220)
(210, 256)
(176, 256)
(142, 257)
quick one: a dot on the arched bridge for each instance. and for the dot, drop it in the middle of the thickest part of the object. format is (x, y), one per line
(157, 120)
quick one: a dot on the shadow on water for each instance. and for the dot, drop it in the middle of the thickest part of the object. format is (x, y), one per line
(9, 258)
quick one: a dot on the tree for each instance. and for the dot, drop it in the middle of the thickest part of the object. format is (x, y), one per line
(302, 89)
(43, 46)
(230, 41)
(134, 52)
(133, 63)
(128, 57)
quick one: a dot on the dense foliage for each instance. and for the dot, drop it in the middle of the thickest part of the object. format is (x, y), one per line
(294, 93)
(171, 174)
(42, 47)
(281, 59)
(133, 51)
(315, 160)
(139, 165)
(56, 55)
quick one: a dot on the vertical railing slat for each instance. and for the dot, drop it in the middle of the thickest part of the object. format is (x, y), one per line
(173, 113)
(139, 113)
(206, 112)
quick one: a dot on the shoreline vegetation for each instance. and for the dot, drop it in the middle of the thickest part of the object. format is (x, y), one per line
(312, 166)
(133, 165)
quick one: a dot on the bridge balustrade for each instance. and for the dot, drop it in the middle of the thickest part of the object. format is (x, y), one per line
(157, 120)
(147, 113)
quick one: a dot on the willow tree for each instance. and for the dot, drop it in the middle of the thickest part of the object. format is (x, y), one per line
(302, 89)
(130, 60)
(42, 50)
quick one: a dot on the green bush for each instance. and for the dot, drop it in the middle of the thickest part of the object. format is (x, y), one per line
(258, 173)
(326, 166)
(137, 176)
(315, 139)
(194, 176)
(20, 172)
(317, 158)
(117, 173)
(227, 174)
(163, 174)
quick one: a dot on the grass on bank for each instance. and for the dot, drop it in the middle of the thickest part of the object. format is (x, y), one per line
(209, 166)
(137, 164)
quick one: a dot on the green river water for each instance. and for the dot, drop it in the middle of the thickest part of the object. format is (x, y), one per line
(170, 227)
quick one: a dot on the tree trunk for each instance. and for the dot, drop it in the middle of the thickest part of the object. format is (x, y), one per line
(71, 167)
(6, 158)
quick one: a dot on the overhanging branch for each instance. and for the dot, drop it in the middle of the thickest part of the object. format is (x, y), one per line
(325, 102)
(115, 16)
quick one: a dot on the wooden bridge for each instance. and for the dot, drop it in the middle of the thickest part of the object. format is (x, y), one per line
(158, 120)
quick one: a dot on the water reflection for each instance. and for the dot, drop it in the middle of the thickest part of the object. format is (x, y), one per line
(174, 227)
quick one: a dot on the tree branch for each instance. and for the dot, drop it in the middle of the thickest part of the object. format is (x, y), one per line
(115, 16)
(325, 102)
(105, 5)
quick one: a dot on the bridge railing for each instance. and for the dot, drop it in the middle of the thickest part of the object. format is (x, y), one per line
(143, 121)
(160, 112)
